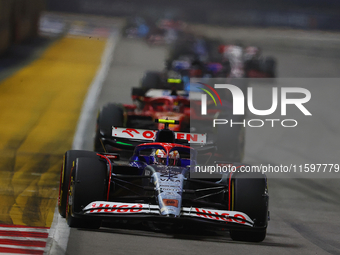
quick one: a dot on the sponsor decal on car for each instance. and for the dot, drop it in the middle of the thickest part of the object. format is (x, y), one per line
(170, 202)
(226, 216)
(145, 134)
(111, 207)
(129, 208)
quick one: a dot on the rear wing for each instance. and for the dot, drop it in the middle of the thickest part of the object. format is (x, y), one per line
(149, 135)
(153, 93)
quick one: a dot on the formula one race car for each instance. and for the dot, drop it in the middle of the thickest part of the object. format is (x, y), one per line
(136, 27)
(248, 62)
(154, 104)
(189, 57)
(158, 185)
(161, 36)
(258, 66)
(165, 31)
(141, 114)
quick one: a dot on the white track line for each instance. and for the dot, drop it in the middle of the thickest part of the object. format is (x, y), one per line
(60, 231)
(93, 93)
(12, 254)
(24, 238)
(24, 229)
(21, 247)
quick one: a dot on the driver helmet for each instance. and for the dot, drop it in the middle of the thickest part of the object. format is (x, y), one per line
(160, 157)
(173, 158)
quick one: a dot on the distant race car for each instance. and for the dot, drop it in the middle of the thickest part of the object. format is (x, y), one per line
(141, 114)
(248, 62)
(157, 185)
(161, 36)
(203, 57)
(136, 27)
(196, 57)
(165, 31)
(258, 66)
(151, 104)
(200, 58)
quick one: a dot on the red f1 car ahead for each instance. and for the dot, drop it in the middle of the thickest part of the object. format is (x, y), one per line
(159, 184)
(161, 104)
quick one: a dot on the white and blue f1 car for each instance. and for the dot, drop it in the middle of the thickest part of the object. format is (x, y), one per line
(158, 184)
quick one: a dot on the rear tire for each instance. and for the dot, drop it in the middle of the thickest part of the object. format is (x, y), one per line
(89, 184)
(250, 197)
(68, 163)
(110, 115)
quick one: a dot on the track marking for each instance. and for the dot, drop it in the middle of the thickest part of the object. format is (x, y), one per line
(24, 229)
(17, 239)
(21, 247)
(93, 93)
(24, 238)
(60, 231)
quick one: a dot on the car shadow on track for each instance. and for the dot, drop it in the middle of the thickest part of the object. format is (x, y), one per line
(187, 232)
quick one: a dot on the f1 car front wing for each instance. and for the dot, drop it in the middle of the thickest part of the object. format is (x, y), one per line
(104, 207)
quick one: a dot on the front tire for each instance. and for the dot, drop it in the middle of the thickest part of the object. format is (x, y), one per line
(250, 196)
(89, 184)
(68, 163)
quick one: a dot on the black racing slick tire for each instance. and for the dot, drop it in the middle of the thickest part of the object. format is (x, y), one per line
(88, 184)
(66, 169)
(110, 115)
(250, 196)
(151, 80)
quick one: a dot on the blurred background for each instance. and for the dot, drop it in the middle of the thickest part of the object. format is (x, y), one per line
(19, 18)
(304, 14)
